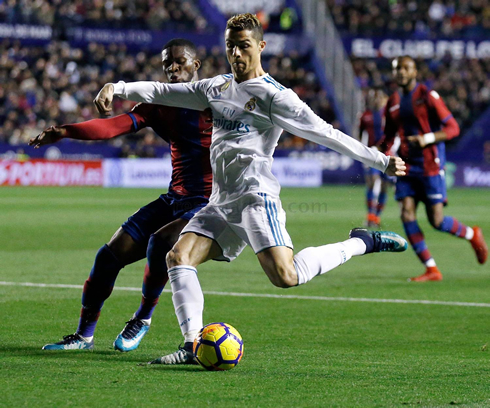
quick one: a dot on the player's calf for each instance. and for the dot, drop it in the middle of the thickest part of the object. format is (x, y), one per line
(277, 263)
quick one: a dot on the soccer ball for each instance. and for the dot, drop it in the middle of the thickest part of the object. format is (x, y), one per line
(218, 347)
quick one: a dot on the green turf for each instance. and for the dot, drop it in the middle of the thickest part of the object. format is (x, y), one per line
(298, 352)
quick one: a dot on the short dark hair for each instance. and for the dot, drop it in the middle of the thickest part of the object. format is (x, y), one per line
(181, 42)
(246, 21)
(402, 57)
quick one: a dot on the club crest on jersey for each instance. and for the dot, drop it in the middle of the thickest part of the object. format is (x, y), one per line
(251, 104)
(225, 86)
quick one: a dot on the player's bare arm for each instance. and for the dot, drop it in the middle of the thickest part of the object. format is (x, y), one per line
(396, 167)
(51, 135)
(103, 100)
(428, 138)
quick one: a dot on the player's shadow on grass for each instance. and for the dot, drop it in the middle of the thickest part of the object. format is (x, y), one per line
(174, 368)
(105, 355)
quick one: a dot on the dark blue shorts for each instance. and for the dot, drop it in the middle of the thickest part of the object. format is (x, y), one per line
(165, 209)
(428, 189)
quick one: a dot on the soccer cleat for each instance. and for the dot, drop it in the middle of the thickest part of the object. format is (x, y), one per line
(132, 334)
(479, 245)
(380, 241)
(71, 342)
(183, 355)
(432, 273)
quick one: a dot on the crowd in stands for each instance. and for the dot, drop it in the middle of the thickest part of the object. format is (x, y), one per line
(142, 14)
(463, 84)
(412, 18)
(56, 84)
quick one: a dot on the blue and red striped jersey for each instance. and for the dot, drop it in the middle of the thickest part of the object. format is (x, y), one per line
(416, 113)
(371, 122)
(189, 134)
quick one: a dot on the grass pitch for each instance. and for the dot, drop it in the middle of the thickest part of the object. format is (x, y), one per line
(311, 346)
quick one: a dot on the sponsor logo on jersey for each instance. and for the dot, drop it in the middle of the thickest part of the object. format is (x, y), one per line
(239, 126)
(251, 104)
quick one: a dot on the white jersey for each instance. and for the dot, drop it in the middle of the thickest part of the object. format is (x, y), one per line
(248, 119)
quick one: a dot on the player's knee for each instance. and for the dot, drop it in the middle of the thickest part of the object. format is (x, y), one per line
(284, 277)
(436, 221)
(407, 215)
(175, 257)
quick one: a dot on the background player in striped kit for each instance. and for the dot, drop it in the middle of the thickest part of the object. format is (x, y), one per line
(423, 123)
(189, 135)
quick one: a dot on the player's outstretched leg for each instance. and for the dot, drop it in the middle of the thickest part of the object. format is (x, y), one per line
(314, 261)
(96, 290)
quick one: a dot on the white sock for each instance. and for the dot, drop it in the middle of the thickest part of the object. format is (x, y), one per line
(311, 262)
(146, 322)
(190, 335)
(187, 298)
(86, 339)
(430, 262)
(469, 233)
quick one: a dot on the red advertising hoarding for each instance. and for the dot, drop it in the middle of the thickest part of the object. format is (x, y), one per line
(50, 173)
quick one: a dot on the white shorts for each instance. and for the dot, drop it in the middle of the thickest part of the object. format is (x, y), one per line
(255, 219)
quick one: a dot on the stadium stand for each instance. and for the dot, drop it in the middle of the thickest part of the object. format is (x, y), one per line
(57, 83)
(414, 18)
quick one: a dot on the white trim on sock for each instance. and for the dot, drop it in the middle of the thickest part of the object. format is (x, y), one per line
(430, 262)
(469, 233)
(190, 335)
(86, 339)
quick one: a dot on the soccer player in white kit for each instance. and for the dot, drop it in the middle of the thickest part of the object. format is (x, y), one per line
(250, 110)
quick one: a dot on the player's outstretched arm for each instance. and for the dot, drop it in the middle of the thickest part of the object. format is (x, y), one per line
(396, 167)
(96, 129)
(294, 116)
(182, 95)
(50, 135)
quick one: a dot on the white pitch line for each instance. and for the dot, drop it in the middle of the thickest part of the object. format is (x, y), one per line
(267, 295)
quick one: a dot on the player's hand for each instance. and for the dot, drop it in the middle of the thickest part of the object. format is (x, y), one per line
(417, 140)
(396, 167)
(103, 100)
(50, 135)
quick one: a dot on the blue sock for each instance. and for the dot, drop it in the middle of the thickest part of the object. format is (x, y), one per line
(417, 240)
(452, 226)
(382, 198)
(155, 276)
(98, 287)
(370, 201)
